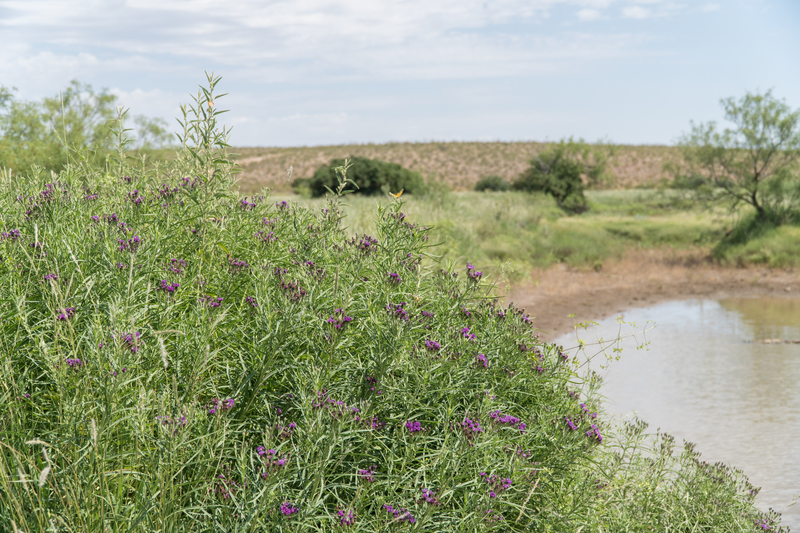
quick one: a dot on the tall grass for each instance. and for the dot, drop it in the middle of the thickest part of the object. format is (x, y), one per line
(178, 358)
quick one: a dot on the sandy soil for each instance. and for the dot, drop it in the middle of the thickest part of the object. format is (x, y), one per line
(640, 279)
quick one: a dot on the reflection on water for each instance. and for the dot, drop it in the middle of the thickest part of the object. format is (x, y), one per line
(704, 379)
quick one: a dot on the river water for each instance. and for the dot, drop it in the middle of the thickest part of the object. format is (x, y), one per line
(706, 378)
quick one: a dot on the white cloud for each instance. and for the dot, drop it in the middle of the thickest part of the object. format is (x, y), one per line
(636, 12)
(710, 7)
(589, 14)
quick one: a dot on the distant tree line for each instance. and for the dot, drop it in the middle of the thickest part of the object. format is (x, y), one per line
(73, 123)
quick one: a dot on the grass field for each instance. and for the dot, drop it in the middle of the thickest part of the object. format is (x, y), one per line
(515, 232)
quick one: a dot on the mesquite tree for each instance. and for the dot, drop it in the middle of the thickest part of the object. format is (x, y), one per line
(754, 163)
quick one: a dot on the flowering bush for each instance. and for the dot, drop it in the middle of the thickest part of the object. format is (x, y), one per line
(303, 386)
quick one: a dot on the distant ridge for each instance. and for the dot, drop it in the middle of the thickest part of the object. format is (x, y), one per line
(459, 164)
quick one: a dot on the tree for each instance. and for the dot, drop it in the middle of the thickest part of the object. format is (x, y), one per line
(370, 176)
(563, 170)
(77, 119)
(754, 163)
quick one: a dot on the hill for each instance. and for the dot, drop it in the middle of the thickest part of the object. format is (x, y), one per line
(459, 164)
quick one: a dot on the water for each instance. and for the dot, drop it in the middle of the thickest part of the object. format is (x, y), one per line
(706, 381)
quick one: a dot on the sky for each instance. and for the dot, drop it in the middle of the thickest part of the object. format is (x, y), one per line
(322, 72)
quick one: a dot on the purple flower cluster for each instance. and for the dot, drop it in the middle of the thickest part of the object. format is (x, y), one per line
(282, 205)
(480, 360)
(219, 405)
(166, 286)
(75, 364)
(271, 460)
(338, 319)
(570, 424)
(293, 290)
(176, 266)
(135, 197)
(66, 314)
(365, 244)
(226, 486)
(346, 518)
(428, 497)
(210, 301)
(236, 266)
(414, 427)
(497, 483)
(473, 274)
(471, 429)
(286, 432)
(251, 301)
(397, 310)
(465, 332)
(287, 509)
(499, 418)
(131, 340)
(336, 408)
(432, 346)
(594, 432)
(368, 474)
(426, 314)
(165, 192)
(373, 382)
(11, 235)
(395, 278)
(130, 245)
(266, 236)
(244, 205)
(400, 514)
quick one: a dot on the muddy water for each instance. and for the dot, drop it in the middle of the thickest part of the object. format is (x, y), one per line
(706, 378)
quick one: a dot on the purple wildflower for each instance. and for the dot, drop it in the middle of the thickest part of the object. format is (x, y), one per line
(400, 514)
(473, 274)
(397, 310)
(465, 332)
(432, 346)
(252, 301)
(168, 287)
(368, 474)
(74, 364)
(480, 360)
(288, 509)
(414, 427)
(570, 424)
(66, 314)
(428, 497)
(346, 518)
(395, 278)
(338, 319)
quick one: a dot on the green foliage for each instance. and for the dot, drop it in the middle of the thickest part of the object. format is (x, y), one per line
(68, 128)
(492, 183)
(370, 177)
(175, 357)
(754, 241)
(561, 170)
(755, 163)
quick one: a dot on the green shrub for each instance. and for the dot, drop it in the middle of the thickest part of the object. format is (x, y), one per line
(178, 358)
(371, 176)
(492, 183)
(556, 173)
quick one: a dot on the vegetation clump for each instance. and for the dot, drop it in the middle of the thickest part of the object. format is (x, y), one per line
(178, 357)
(563, 171)
(492, 183)
(367, 176)
(35, 134)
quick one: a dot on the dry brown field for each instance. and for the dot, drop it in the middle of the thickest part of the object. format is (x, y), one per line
(459, 164)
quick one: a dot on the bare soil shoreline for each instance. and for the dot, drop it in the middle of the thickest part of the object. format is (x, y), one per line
(642, 278)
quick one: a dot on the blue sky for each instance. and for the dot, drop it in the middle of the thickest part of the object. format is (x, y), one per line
(311, 72)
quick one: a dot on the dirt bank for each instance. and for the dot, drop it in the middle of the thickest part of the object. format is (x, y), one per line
(640, 279)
